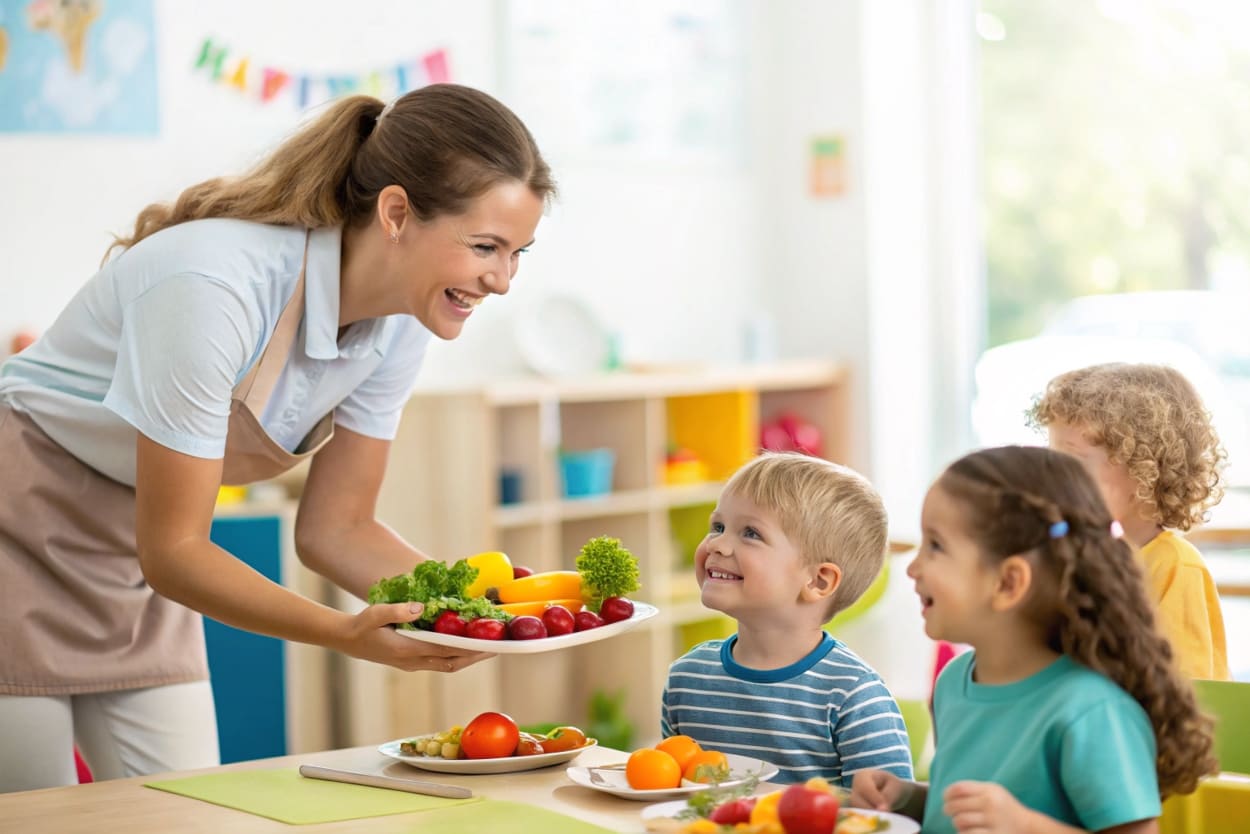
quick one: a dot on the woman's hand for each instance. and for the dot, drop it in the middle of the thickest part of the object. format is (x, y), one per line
(370, 637)
(984, 808)
(879, 790)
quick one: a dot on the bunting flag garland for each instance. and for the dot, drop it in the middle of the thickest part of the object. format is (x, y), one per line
(269, 84)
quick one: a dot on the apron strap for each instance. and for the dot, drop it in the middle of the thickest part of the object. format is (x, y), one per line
(259, 383)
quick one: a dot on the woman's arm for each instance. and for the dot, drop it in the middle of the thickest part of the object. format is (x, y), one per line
(336, 532)
(175, 496)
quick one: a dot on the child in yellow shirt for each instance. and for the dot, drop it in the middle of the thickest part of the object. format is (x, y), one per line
(1143, 434)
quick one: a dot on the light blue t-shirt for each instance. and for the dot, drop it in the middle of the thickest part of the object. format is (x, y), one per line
(156, 341)
(827, 715)
(1067, 742)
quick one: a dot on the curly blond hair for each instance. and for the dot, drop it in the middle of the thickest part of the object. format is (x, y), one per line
(1090, 596)
(830, 511)
(1150, 419)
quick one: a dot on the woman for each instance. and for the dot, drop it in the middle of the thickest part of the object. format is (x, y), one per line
(257, 322)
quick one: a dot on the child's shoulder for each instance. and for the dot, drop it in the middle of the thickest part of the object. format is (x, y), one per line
(841, 660)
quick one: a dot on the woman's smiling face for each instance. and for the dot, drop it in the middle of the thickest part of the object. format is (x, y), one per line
(746, 564)
(457, 260)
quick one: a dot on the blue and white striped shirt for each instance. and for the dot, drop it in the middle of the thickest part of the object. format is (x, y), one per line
(827, 715)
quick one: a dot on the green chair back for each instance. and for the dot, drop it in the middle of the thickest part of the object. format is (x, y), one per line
(1229, 703)
(919, 723)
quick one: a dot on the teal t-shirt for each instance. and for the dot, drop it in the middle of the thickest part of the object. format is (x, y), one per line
(1067, 742)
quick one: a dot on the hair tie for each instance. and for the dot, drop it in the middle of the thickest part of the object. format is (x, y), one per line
(1059, 529)
(388, 108)
(1117, 530)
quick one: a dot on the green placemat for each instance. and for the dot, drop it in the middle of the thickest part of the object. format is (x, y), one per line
(496, 816)
(286, 796)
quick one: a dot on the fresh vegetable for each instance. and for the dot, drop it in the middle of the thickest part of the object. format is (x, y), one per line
(734, 811)
(493, 569)
(449, 622)
(615, 609)
(519, 571)
(484, 628)
(552, 584)
(563, 738)
(526, 628)
(491, 735)
(607, 569)
(536, 609)
(439, 588)
(802, 810)
(558, 620)
(529, 745)
(583, 620)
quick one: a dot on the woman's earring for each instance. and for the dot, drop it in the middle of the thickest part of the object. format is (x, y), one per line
(394, 237)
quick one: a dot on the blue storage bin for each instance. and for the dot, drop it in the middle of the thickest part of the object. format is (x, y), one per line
(587, 473)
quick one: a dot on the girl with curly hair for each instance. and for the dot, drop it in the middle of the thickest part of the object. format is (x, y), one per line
(1143, 434)
(1068, 714)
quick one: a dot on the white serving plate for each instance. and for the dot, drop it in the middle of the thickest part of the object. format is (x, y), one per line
(506, 764)
(898, 823)
(609, 780)
(642, 611)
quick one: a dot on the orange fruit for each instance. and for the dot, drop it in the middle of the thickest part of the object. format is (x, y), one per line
(681, 748)
(707, 766)
(649, 769)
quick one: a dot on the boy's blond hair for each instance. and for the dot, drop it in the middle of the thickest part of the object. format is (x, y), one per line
(830, 512)
(1150, 419)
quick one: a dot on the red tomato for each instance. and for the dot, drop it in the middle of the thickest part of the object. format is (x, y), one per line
(802, 810)
(615, 609)
(492, 735)
(484, 628)
(563, 738)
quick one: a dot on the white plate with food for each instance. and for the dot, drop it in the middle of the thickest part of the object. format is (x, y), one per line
(642, 611)
(850, 820)
(506, 764)
(611, 779)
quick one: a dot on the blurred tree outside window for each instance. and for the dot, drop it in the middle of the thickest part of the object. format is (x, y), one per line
(1116, 151)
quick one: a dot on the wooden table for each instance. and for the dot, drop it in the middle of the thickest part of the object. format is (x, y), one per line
(126, 806)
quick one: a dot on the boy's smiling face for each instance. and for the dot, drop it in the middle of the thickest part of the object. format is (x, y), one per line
(746, 565)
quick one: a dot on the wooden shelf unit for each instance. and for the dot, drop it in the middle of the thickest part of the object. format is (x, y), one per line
(442, 494)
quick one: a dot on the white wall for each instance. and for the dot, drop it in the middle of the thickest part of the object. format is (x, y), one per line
(675, 258)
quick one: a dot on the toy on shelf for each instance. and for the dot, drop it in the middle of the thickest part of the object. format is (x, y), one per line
(683, 466)
(791, 433)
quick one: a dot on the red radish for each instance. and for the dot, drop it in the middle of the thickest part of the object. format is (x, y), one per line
(526, 628)
(484, 628)
(449, 622)
(615, 609)
(584, 620)
(558, 620)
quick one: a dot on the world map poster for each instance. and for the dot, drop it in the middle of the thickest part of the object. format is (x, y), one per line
(78, 66)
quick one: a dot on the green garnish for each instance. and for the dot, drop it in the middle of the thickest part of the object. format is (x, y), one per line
(703, 803)
(439, 588)
(608, 569)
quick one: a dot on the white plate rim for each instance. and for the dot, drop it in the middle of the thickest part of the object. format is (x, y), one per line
(899, 824)
(504, 764)
(743, 764)
(642, 611)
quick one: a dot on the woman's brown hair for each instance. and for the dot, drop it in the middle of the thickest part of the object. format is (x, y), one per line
(444, 144)
(1091, 596)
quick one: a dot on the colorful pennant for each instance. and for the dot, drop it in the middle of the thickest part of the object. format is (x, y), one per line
(304, 89)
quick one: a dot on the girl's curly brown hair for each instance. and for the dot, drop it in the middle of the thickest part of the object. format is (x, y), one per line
(1090, 595)
(1150, 419)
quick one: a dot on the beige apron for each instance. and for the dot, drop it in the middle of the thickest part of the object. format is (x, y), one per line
(76, 614)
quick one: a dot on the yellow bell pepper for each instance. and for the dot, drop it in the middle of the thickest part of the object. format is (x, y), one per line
(494, 569)
(553, 584)
(765, 810)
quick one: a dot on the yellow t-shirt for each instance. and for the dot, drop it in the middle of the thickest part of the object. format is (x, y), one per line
(1188, 606)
